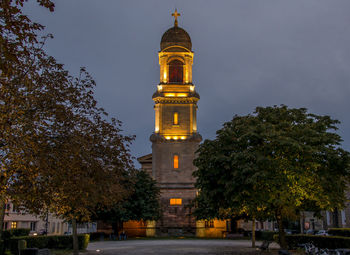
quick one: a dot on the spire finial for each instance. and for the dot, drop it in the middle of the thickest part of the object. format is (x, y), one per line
(175, 14)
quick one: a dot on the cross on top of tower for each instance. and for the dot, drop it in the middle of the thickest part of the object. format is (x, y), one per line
(175, 15)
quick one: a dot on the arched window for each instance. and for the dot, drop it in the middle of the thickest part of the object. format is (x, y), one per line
(176, 118)
(176, 161)
(176, 71)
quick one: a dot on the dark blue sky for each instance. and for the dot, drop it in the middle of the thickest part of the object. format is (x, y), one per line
(247, 54)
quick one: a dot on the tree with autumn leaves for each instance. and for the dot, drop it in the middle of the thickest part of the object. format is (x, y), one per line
(59, 152)
(273, 163)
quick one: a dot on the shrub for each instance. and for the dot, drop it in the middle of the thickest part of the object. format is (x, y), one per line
(20, 232)
(265, 235)
(339, 232)
(7, 234)
(330, 242)
(50, 242)
(2, 247)
(97, 236)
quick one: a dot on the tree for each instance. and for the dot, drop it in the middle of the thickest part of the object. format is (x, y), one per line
(59, 151)
(18, 42)
(141, 204)
(277, 161)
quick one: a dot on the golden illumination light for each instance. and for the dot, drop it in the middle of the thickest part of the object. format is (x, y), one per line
(183, 137)
(175, 94)
(192, 88)
(175, 201)
(176, 118)
(168, 137)
(160, 87)
(175, 138)
(176, 161)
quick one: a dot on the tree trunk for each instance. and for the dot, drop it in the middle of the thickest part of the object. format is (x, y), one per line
(336, 218)
(2, 214)
(302, 222)
(253, 233)
(75, 237)
(281, 233)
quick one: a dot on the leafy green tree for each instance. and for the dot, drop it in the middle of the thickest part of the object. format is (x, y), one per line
(141, 204)
(277, 161)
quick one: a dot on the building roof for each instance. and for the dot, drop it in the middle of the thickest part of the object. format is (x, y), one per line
(176, 36)
(145, 159)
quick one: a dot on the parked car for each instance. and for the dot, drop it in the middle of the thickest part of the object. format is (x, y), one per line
(310, 232)
(322, 233)
(288, 231)
(42, 232)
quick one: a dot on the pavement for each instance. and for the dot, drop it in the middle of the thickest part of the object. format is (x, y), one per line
(172, 247)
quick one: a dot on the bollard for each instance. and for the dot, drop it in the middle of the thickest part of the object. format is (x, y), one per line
(22, 244)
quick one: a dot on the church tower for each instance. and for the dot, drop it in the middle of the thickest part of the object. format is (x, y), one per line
(175, 138)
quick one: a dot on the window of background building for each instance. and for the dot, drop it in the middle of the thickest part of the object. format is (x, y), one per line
(53, 227)
(343, 217)
(209, 223)
(176, 71)
(58, 227)
(176, 161)
(14, 224)
(176, 118)
(5, 225)
(175, 201)
(7, 207)
(14, 209)
(33, 226)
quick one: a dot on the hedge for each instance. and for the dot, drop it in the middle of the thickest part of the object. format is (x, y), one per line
(2, 247)
(7, 234)
(50, 242)
(96, 236)
(330, 242)
(265, 235)
(339, 232)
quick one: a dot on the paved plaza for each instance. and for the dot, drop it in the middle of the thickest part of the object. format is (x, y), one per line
(172, 247)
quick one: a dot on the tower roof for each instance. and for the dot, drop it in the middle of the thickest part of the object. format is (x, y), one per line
(176, 36)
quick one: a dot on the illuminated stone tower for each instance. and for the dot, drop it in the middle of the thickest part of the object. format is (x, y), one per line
(175, 137)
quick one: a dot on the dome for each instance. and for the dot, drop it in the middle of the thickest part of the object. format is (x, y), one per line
(176, 36)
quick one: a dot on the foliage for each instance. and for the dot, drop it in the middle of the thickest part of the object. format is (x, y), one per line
(265, 235)
(273, 163)
(59, 151)
(18, 232)
(339, 232)
(50, 242)
(330, 242)
(2, 246)
(141, 204)
(96, 236)
(54, 136)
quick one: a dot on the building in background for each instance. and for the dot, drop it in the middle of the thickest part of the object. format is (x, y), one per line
(15, 218)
